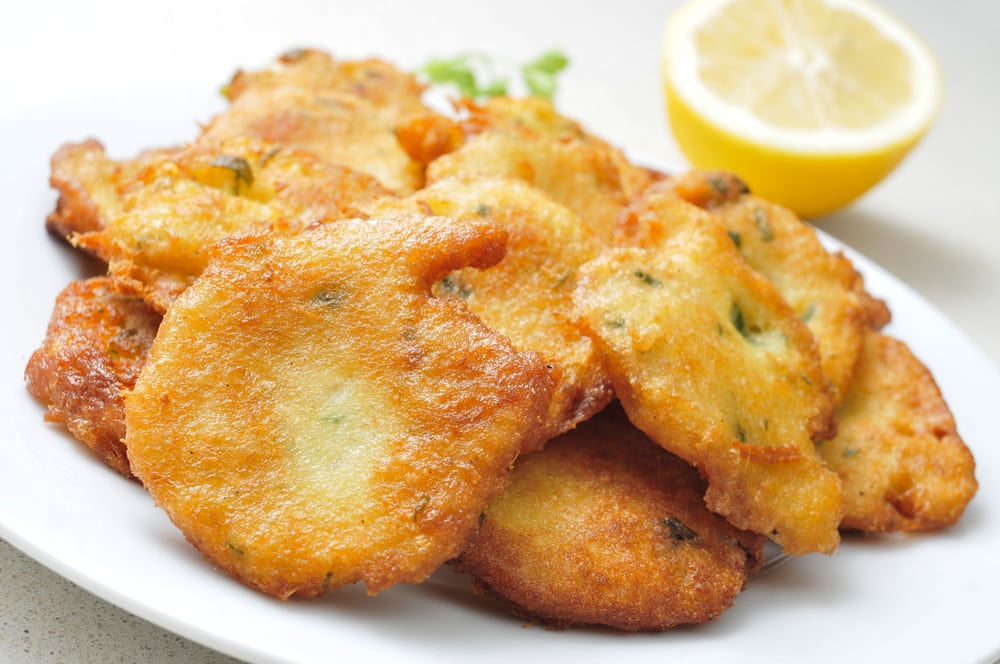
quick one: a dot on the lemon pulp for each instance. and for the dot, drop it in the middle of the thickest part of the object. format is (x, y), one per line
(812, 102)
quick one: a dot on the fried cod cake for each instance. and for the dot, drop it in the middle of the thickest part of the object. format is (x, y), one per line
(311, 416)
(604, 527)
(540, 116)
(344, 112)
(94, 349)
(180, 203)
(822, 287)
(527, 140)
(528, 295)
(902, 462)
(711, 363)
(88, 182)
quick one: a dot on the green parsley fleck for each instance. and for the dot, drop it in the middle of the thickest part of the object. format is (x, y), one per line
(736, 317)
(678, 531)
(647, 278)
(331, 297)
(452, 285)
(242, 173)
(763, 224)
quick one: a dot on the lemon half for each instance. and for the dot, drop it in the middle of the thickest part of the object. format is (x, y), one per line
(811, 102)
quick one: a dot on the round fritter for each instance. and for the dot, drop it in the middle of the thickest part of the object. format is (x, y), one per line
(898, 452)
(526, 139)
(821, 286)
(181, 202)
(94, 348)
(371, 79)
(344, 112)
(528, 295)
(604, 527)
(89, 183)
(713, 364)
(310, 415)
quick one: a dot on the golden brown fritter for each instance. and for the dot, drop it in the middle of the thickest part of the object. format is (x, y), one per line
(713, 364)
(541, 117)
(898, 453)
(88, 182)
(526, 139)
(528, 295)
(311, 416)
(376, 81)
(94, 349)
(343, 112)
(180, 203)
(604, 527)
(822, 287)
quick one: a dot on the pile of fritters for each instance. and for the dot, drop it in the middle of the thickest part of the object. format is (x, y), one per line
(345, 337)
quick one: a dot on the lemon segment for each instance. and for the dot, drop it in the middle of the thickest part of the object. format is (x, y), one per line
(811, 102)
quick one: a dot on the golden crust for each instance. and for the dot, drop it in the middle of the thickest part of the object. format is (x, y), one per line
(540, 116)
(311, 416)
(603, 527)
(898, 453)
(374, 80)
(822, 287)
(711, 363)
(526, 139)
(179, 203)
(343, 112)
(528, 295)
(94, 349)
(88, 182)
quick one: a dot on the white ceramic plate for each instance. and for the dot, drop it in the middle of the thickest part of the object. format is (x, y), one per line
(926, 598)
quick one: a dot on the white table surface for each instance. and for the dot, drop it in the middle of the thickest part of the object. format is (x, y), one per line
(933, 223)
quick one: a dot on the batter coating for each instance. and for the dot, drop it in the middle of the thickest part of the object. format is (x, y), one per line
(311, 416)
(181, 202)
(94, 348)
(898, 452)
(528, 295)
(821, 286)
(527, 139)
(341, 111)
(713, 364)
(604, 527)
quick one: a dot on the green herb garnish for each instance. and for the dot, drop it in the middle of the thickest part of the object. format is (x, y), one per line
(480, 76)
(540, 73)
(455, 71)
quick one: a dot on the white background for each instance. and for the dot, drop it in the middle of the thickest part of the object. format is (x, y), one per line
(934, 223)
